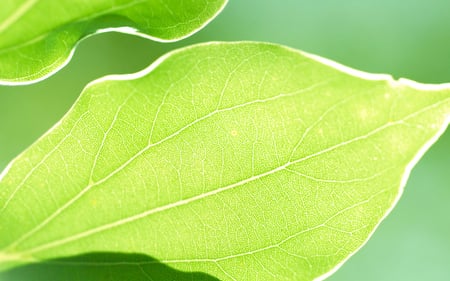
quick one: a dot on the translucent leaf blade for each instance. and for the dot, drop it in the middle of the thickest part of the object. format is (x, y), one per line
(39, 37)
(246, 161)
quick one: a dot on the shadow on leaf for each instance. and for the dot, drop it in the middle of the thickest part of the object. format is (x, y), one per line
(102, 267)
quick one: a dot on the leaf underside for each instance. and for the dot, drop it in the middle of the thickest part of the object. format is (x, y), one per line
(38, 37)
(245, 161)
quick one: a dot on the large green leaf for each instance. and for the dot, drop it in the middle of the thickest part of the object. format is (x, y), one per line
(38, 37)
(246, 161)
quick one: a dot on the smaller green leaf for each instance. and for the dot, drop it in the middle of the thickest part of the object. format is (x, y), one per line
(38, 37)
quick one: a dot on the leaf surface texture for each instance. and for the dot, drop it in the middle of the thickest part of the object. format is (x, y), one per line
(38, 37)
(245, 161)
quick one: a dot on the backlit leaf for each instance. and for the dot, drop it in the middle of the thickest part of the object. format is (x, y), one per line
(245, 161)
(38, 37)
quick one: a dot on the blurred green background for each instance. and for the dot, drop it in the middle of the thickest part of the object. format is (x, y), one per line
(406, 38)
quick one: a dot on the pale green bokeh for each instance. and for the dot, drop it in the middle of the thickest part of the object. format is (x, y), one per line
(405, 38)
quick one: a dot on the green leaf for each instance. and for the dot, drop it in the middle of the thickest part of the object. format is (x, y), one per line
(245, 161)
(39, 37)
(100, 267)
